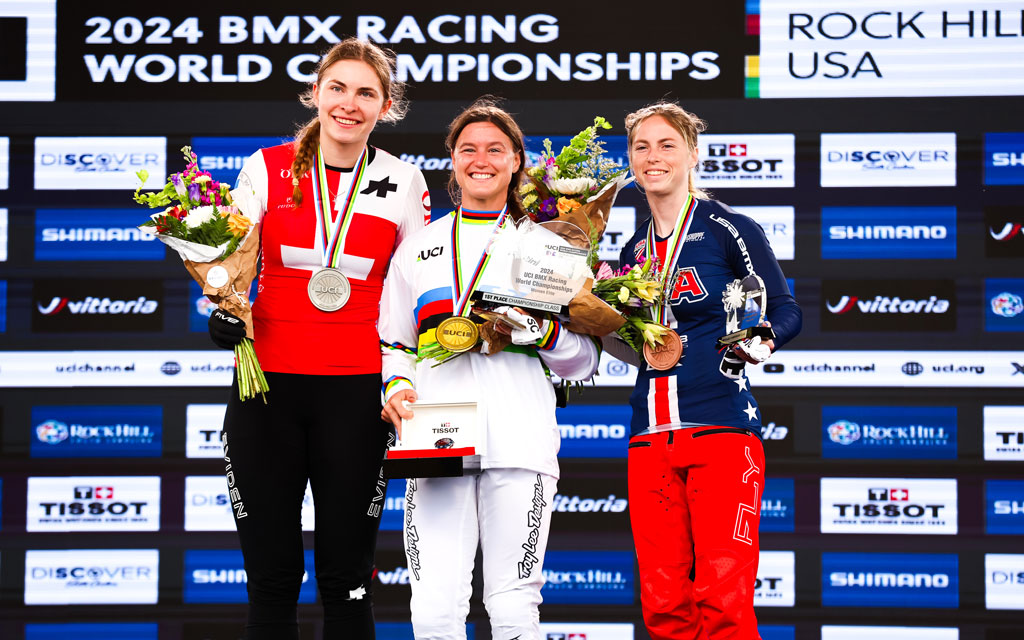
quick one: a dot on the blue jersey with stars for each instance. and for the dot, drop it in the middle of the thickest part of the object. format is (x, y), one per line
(721, 246)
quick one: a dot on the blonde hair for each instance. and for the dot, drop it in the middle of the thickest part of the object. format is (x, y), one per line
(687, 124)
(486, 109)
(382, 61)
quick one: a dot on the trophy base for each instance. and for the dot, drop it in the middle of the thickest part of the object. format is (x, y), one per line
(452, 463)
(765, 333)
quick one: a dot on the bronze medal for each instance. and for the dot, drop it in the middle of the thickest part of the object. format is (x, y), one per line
(457, 334)
(664, 356)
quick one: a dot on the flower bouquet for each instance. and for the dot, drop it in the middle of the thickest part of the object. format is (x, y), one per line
(219, 246)
(632, 291)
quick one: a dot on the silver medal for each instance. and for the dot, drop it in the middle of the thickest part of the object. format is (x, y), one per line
(329, 289)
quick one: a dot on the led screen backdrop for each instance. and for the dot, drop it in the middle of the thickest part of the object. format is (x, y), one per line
(879, 146)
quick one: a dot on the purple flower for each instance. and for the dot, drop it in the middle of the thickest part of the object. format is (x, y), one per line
(194, 192)
(179, 186)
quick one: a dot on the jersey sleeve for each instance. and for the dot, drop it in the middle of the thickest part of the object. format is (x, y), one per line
(397, 329)
(416, 208)
(251, 188)
(569, 355)
(783, 311)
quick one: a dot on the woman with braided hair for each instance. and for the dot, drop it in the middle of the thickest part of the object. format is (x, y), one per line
(332, 209)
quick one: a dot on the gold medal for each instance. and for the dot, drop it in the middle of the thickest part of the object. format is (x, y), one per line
(457, 334)
(664, 356)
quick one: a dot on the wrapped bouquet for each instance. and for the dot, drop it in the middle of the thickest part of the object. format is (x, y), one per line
(219, 246)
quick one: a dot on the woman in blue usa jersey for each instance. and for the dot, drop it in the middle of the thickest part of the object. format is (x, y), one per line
(696, 464)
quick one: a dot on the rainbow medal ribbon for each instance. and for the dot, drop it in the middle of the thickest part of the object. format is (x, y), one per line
(329, 289)
(666, 355)
(458, 333)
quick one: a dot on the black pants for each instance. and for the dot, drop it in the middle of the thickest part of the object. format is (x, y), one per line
(326, 429)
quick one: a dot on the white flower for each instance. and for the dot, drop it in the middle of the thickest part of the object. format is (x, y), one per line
(199, 215)
(570, 186)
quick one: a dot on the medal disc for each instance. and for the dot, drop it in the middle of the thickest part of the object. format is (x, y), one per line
(664, 356)
(457, 334)
(328, 289)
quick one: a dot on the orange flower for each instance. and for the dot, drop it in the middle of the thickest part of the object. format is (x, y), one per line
(565, 205)
(238, 224)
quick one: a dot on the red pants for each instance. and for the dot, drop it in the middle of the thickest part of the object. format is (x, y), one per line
(694, 504)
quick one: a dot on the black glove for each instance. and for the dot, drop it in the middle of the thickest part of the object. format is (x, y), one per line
(226, 330)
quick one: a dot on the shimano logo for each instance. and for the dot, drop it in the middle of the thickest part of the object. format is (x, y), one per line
(1007, 159)
(888, 232)
(92, 306)
(885, 304)
(219, 576)
(219, 163)
(592, 431)
(96, 234)
(882, 579)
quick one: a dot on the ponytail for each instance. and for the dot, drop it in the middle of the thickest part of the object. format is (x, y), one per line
(306, 143)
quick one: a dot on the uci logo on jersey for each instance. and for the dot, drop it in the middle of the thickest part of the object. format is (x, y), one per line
(687, 286)
(427, 254)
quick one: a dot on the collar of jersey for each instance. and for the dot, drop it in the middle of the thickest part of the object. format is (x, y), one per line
(470, 216)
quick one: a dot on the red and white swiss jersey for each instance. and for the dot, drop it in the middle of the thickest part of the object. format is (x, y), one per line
(291, 335)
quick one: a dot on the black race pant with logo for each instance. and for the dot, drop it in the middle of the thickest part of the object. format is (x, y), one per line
(326, 429)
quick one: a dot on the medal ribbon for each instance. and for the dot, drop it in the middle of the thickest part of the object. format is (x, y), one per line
(672, 250)
(463, 292)
(332, 234)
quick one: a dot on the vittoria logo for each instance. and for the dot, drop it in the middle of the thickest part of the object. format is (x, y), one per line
(65, 305)
(888, 305)
(1005, 232)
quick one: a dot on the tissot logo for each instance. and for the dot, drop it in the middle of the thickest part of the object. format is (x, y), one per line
(888, 232)
(66, 305)
(775, 582)
(114, 503)
(1003, 432)
(888, 505)
(888, 305)
(750, 160)
(888, 159)
(1004, 237)
(203, 428)
(890, 580)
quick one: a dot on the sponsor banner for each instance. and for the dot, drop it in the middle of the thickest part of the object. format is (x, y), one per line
(204, 424)
(746, 160)
(29, 50)
(588, 577)
(776, 431)
(1005, 232)
(64, 305)
(926, 580)
(1004, 507)
(93, 503)
(888, 159)
(592, 503)
(777, 506)
(900, 369)
(1004, 307)
(886, 233)
(834, 632)
(5, 163)
(223, 157)
(888, 305)
(98, 431)
(878, 48)
(3, 306)
(92, 576)
(594, 430)
(211, 506)
(1004, 581)
(92, 631)
(3, 235)
(403, 631)
(269, 51)
(909, 506)
(206, 630)
(889, 432)
(1003, 429)
(97, 163)
(616, 148)
(1004, 158)
(778, 226)
(94, 234)
(392, 517)
(218, 576)
(116, 368)
(586, 631)
(776, 582)
(776, 631)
